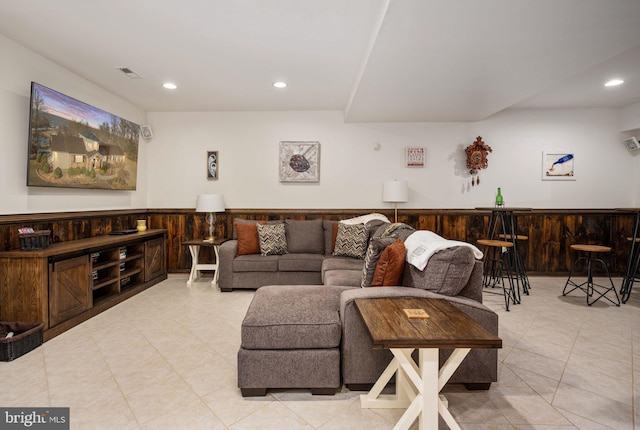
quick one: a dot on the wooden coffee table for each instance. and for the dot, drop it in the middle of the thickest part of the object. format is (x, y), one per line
(418, 386)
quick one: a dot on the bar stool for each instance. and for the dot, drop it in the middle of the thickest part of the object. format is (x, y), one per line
(590, 288)
(518, 264)
(495, 267)
(633, 266)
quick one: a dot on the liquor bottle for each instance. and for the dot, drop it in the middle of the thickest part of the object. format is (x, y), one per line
(562, 160)
(499, 199)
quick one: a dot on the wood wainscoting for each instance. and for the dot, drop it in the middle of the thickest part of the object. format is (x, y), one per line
(547, 252)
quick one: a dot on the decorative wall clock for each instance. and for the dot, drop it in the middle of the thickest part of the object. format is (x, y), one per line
(477, 159)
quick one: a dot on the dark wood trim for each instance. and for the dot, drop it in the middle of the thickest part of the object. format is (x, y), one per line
(547, 252)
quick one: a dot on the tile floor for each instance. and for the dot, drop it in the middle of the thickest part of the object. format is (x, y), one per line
(166, 359)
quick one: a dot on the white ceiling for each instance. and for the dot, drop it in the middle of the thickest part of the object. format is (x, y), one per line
(376, 60)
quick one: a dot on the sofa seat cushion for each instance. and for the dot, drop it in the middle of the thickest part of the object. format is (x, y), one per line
(346, 278)
(341, 263)
(255, 263)
(344, 271)
(301, 262)
(293, 317)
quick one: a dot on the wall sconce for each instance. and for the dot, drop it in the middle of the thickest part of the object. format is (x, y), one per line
(210, 203)
(395, 191)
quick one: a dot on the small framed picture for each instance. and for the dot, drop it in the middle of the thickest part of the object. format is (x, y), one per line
(558, 166)
(414, 156)
(212, 164)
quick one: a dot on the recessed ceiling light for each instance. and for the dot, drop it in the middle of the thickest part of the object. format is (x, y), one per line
(170, 85)
(280, 84)
(614, 82)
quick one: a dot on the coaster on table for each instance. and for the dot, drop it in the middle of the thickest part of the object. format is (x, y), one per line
(416, 313)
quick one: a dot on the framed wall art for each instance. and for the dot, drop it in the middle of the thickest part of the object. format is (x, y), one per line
(75, 145)
(212, 165)
(558, 166)
(414, 156)
(299, 161)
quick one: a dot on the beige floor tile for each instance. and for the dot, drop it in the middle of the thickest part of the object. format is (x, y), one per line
(522, 405)
(231, 407)
(355, 417)
(274, 416)
(545, 387)
(193, 415)
(594, 408)
(210, 376)
(316, 410)
(545, 366)
(470, 408)
(581, 422)
(155, 399)
(166, 359)
(604, 384)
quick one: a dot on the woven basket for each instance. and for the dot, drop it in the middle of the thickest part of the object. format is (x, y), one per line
(36, 240)
(26, 337)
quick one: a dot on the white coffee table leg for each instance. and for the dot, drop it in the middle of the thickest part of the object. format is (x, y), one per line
(446, 371)
(417, 387)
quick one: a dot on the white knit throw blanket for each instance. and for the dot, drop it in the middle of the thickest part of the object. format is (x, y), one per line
(422, 244)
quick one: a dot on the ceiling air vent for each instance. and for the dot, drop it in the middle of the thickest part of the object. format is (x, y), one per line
(130, 73)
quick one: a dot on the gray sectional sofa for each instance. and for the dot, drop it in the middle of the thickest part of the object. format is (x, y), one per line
(302, 329)
(309, 243)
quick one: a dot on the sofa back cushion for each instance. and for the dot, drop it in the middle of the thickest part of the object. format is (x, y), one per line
(305, 236)
(447, 271)
(330, 228)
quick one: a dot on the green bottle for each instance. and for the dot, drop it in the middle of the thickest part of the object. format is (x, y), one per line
(499, 199)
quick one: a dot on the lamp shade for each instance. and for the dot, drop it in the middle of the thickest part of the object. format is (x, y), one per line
(210, 203)
(395, 191)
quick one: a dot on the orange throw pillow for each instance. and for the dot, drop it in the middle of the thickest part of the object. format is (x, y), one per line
(248, 240)
(390, 267)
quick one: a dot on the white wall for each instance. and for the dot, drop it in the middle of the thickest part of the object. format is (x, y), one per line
(352, 172)
(630, 125)
(20, 66)
(172, 166)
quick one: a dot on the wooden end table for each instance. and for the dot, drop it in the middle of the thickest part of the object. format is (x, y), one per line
(418, 385)
(194, 248)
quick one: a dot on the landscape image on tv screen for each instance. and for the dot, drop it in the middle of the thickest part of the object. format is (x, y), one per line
(75, 145)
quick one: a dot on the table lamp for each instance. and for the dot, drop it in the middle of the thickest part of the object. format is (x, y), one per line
(395, 191)
(210, 203)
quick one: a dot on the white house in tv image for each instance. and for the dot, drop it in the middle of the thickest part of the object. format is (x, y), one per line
(84, 151)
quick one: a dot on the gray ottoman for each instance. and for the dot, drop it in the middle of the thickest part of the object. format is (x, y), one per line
(291, 339)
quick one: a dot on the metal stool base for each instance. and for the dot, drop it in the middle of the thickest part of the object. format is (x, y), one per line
(588, 286)
(494, 276)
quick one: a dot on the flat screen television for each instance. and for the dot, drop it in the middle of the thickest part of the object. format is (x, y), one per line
(75, 145)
